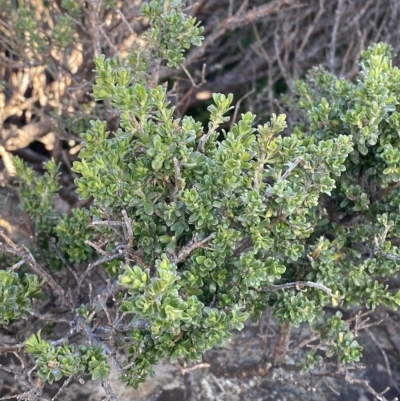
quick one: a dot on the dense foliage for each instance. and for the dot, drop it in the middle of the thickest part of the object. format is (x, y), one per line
(199, 228)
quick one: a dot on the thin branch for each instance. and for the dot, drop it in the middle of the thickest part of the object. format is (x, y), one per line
(203, 140)
(7, 161)
(363, 324)
(195, 367)
(127, 24)
(25, 254)
(236, 21)
(338, 14)
(281, 346)
(298, 285)
(97, 248)
(106, 223)
(303, 343)
(16, 266)
(110, 396)
(187, 250)
(139, 260)
(325, 380)
(107, 258)
(9, 397)
(188, 94)
(128, 224)
(178, 179)
(278, 57)
(291, 168)
(64, 385)
(237, 105)
(311, 29)
(5, 348)
(389, 371)
(286, 174)
(93, 15)
(189, 76)
(52, 319)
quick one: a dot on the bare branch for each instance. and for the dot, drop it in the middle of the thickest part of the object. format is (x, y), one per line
(96, 247)
(286, 174)
(203, 140)
(110, 396)
(178, 179)
(187, 250)
(118, 253)
(64, 385)
(128, 224)
(195, 367)
(25, 254)
(338, 14)
(298, 285)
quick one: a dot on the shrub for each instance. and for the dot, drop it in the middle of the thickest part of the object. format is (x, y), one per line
(198, 228)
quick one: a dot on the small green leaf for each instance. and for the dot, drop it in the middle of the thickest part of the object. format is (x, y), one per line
(148, 208)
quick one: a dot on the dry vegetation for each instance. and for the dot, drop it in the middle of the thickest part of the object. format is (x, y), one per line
(255, 49)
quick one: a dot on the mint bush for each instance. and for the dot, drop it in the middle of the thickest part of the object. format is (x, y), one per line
(199, 228)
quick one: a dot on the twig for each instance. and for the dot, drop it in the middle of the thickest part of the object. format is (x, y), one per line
(298, 160)
(24, 252)
(299, 285)
(360, 12)
(245, 244)
(64, 385)
(52, 319)
(237, 105)
(9, 397)
(203, 140)
(128, 224)
(281, 346)
(389, 371)
(325, 380)
(116, 51)
(139, 260)
(311, 29)
(189, 76)
(110, 396)
(236, 21)
(282, 67)
(189, 382)
(106, 223)
(107, 258)
(194, 86)
(338, 14)
(178, 179)
(93, 15)
(96, 247)
(7, 161)
(75, 329)
(16, 266)
(303, 343)
(8, 370)
(195, 367)
(348, 379)
(128, 25)
(365, 383)
(291, 168)
(187, 250)
(363, 324)
(5, 348)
